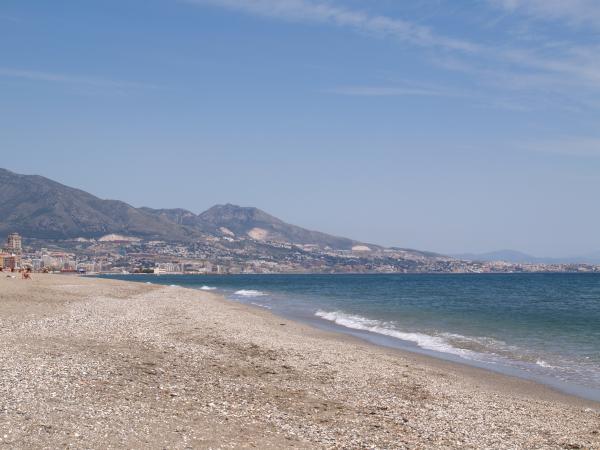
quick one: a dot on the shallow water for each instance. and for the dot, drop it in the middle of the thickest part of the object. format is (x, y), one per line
(540, 326)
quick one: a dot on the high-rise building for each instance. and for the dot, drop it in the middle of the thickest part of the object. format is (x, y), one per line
(13, 243)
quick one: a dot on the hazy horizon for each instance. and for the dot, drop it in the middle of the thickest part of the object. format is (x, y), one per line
(455, 127)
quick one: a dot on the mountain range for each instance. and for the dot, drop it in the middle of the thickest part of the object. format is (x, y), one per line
(43, 209)
(40, 208)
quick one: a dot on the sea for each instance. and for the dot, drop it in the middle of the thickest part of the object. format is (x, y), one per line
(542, 327)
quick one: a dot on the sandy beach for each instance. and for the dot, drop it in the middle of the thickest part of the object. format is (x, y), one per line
(90, 363)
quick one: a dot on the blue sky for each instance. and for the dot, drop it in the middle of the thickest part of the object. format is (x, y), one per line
(447, 125)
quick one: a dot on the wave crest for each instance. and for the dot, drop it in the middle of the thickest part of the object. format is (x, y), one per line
(423, 340)
(249, 293)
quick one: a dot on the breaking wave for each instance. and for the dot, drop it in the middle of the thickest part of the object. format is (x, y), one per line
(542, 363)
(425, 341)
(207, 288)
(249, 293)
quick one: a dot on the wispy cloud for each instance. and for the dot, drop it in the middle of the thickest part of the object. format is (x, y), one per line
(327, 13)
(51, 77)
(568, 78)
(575, 12)
(389, 91)
(567, 69)
(569, 146)
(578, 63)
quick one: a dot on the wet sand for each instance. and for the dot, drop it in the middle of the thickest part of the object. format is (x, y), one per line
(91, 363)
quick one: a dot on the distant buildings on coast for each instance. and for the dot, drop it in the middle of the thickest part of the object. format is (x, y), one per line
(14, 243)
(215, 256)
(13, 257)
(10, 255)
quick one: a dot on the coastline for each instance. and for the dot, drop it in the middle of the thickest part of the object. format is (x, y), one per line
(557, 390)
(286, 296)
(226, 374)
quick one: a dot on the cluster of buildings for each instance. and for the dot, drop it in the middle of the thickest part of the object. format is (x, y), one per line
(10, 254)
(13, 257)
(231, 255)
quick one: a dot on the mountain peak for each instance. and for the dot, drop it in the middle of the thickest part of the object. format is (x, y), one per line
(229, 211)
(41, 208)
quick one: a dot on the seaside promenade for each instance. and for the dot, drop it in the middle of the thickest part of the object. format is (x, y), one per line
(90, 363)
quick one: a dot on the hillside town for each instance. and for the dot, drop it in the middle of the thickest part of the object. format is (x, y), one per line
(233, 255)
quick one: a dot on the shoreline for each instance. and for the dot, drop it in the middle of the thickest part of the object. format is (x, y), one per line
(84, 356)
(407, 347)
(432, 357)
(569, 388)
(487, 378)
(429, 357)
(491, 378)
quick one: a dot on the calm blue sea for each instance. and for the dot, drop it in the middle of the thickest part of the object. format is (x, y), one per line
(544, 327)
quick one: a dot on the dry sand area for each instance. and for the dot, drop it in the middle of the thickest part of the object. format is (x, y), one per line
(88, 363)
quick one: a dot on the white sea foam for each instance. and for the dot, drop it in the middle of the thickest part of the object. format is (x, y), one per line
(542, 363)
(424, 341)
(260, 305)
(249, 293)
(173, 285)
(483, 344)
(207, 288)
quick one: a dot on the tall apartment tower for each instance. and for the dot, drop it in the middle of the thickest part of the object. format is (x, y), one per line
(13, 243)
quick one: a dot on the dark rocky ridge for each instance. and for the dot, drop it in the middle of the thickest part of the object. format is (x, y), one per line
(38, 207)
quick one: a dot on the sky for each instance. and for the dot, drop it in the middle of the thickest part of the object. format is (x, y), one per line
(445, 125)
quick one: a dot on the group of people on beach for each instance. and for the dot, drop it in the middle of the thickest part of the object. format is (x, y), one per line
(25, 272)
